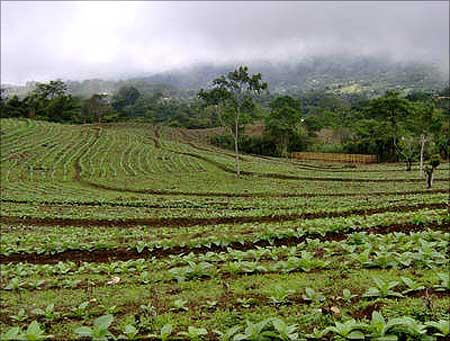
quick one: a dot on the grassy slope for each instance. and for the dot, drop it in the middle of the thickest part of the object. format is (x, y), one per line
(185, 194)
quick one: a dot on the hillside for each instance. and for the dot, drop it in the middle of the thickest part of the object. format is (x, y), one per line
(143, 157)
(148, 227)
(341, 75)
(369, 75)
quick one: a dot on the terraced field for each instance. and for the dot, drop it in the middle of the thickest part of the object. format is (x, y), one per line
(140, 231)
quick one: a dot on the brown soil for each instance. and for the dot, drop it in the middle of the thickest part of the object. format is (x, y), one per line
(223, 204)
(251, 195)
(19, 156)
(193, 221)
(377, 306)
(104, 256)
(366, 312)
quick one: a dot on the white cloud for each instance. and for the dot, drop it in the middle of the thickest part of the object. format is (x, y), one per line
(44, 40)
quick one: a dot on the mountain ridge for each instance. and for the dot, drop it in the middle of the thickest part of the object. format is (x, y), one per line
(337, 74)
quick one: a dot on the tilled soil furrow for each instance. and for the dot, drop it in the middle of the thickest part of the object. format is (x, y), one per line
(228, 205)
(104, 256)
(250, 195)
(193, 221)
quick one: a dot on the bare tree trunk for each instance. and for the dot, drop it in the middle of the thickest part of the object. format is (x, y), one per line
(429, 176)
(429, 181)
(285, 146)
(422, 148)
(408, 165)
(236, 146)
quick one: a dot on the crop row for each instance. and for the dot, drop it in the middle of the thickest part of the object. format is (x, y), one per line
(50, 240)
(128, 153)
(17, 130)
(378, 328)
(320, 299)
(358, 250)
(296, 208)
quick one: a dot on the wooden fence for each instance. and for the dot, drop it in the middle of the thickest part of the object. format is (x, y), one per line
(335, 157)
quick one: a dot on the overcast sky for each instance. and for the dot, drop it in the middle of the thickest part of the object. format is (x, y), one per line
(79, 40)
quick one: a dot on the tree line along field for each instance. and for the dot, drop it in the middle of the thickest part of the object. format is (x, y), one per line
(142, 231)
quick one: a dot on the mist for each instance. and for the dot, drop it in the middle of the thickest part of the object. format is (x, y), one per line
(80, 40)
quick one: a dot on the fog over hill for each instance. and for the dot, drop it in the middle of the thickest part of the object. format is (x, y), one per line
(317, 73)
(116, 40)
(368, 75)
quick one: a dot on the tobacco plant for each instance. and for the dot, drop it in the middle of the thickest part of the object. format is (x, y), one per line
(382, 289)
(34, 332)
(100, 329)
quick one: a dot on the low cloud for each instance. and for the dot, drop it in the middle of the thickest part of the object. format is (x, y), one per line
(78, 40)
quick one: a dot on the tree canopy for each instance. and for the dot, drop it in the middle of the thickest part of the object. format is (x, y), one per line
(233, 97)
(284, 122)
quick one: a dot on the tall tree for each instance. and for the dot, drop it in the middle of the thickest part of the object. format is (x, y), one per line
(233, 97)
(14, 107)
(434, 163)
(425, 125)
(284, 122)
(422, 122)
(408, 149)
(95, 108)
(389, 110)
(3, 100)
(126, 96)
(52, 101)
(51, 90)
